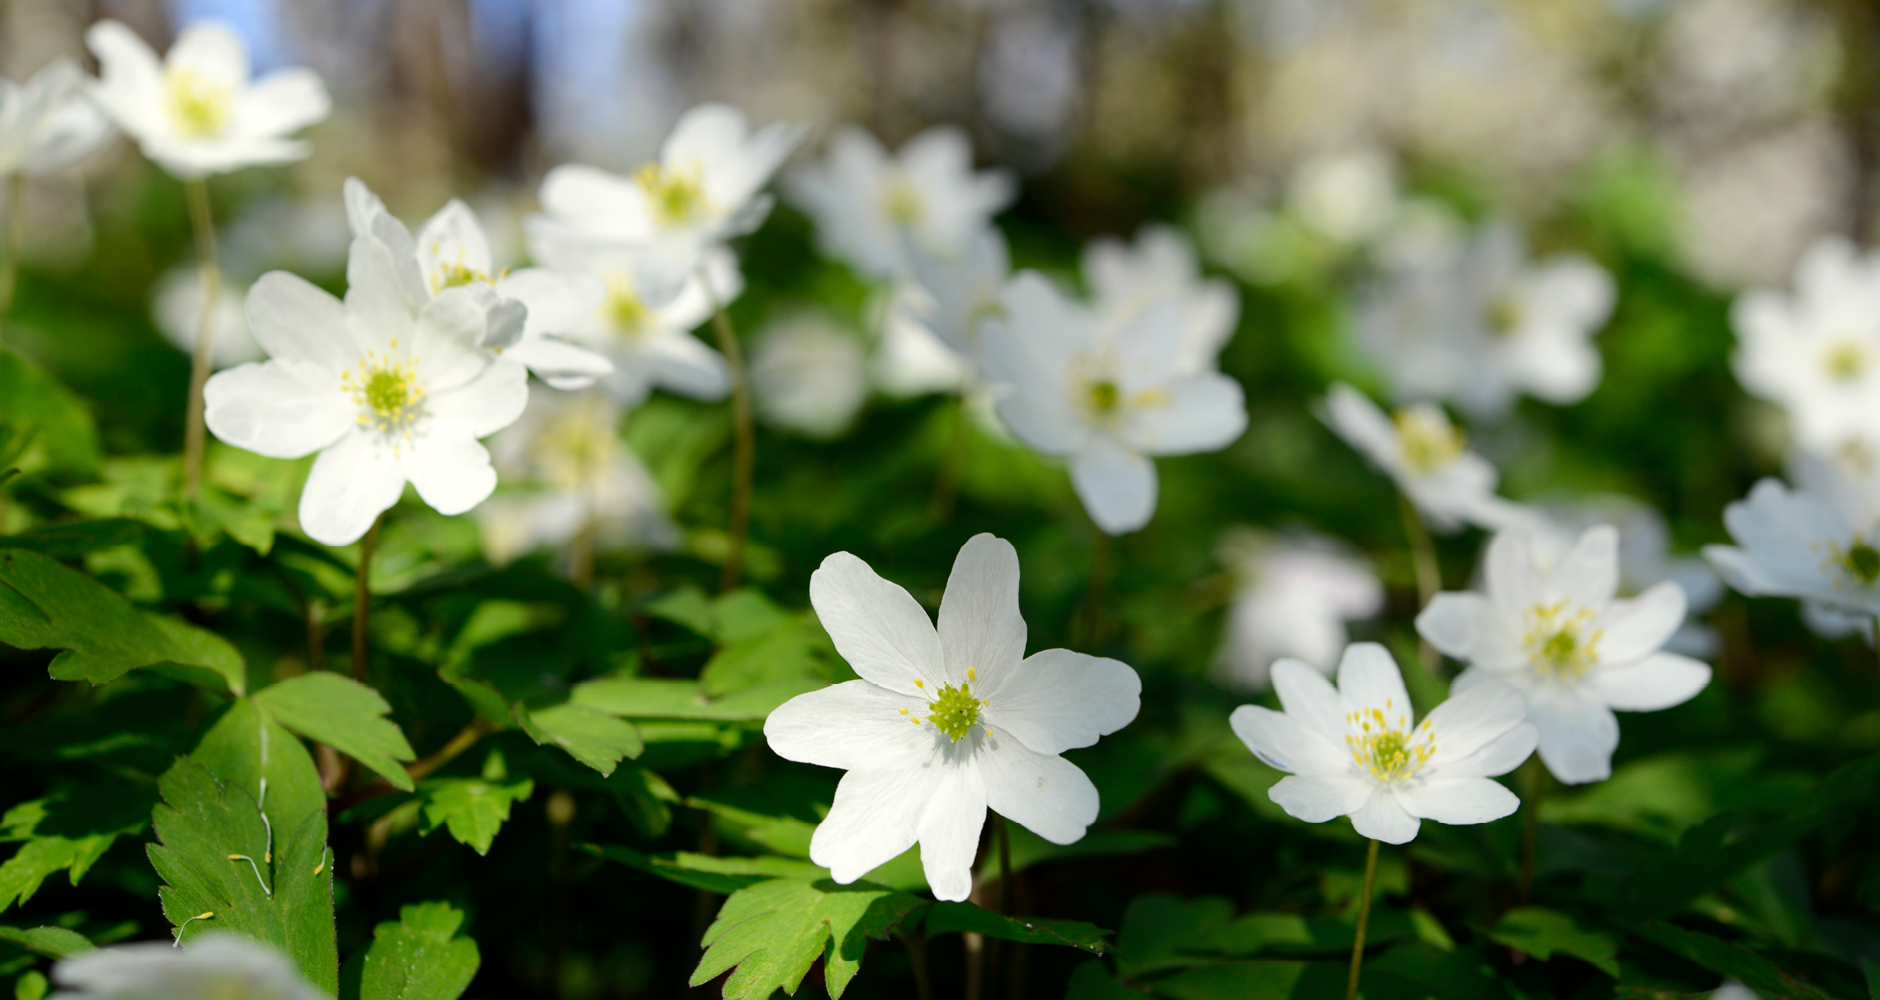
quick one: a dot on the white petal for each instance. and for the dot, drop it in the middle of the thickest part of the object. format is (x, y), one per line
(875, 817)
(1117, 486)
(1202, 412)
(980, 626)
(447, 338)
(680, 363)
(1286, 743)
(1578, 733)
(1043, 793)
(1634, 628)
(271, 409)
(949, 832)
(1659, 682)
(130, 88)
(1458, 801)
(281, 103)
(1308, 696)
(1472, 719)
(1369, 679)
(1058, 700)
(210, 49)
(853, 725)
(1498, 757)
(561, 364)
(294, 320)
(1451, 621)
(588, 199)
(1511, 580)
(450, 468)
(876, 626)
(349, 486)
(486, 404)
(1589, 575)
(1383, 818)
(558, 301)
(452, 237)
(1352, 416)
(374, 299)
(1316, 798)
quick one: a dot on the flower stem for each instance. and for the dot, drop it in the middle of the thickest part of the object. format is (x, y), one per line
(362, 598)
(946, 486)
(1429, 572)
(1005, 864)
(202, 220)
(1099, 577)
(15, 239)
(917, 957)
(1530, 838)
(744, 447)
(1364, 921)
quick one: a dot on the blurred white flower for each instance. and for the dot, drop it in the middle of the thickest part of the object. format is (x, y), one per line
(1560, 635)
(568, 446)
(1479, 327)
(218, 965)
(705, 188)
(1644, 559)
(176, 308)
(945, 724)
(1107, 397)
(910, 359)
(1124, 280)
(387, 392)
(808, 375)
(526, 312)
(1426, 456)
(649, 345)
(1819, 542)
(1733, 990)
(870, 208)
(1347, 196)
(1292, 597)
(1816, 353)
(1352, 751)
(197, 113)
(963, 290)
(49, 124)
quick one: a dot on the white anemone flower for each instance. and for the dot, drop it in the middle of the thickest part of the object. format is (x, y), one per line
(910, 359)
(1819, 542)
(1125, 279)
(705, 188)
(1108, 398)
(196, 112)
(1816, 353)
(808, 375)
(1427, 457)
(870, 207)
(1558, 635)
(48, 124)
(650, 344)
(387, 393)
(1293, 595)
(176, 307)
(946, 723)
(529, 311)
(1645, 559)
(220, 965)
(1352, 750)
(963, 290)
(567, 445)
(1482, 325)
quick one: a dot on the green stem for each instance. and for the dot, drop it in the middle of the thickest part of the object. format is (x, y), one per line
(362, 599)
(1364, 922)
(946, 487)
(917, 957)
(744, 446)
(1099, 578)
(202, 220)
(1429, 572)
(15, 239)
(1530, 838)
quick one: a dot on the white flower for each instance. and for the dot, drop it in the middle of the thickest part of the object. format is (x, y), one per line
(1106, 397)
(1292, 598)
(870, 207)
(48, 124)
(387, 393)
(1346, 196)
(526, 311)
(1426, 456)
(176, 307)
(952, 296)
(705, 188)
(1483, 325)
(910, 359)
(1819, 542)
(945, 724)
(1124, 280)
(808, 375)
(1644, 559)
(219, 965)
(1351, 750)
(649, 344)
(1817, 353)
(569, 444)
(196, 113)
(1557, 634)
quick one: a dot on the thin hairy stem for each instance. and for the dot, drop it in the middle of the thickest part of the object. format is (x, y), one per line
(202, 220)
(1099, 579)
(15, 239)
(1429, 573)
(464, 740)
(362, 599)
(744, 440)
(1364, 922)
(946, 486)
(1530, 837)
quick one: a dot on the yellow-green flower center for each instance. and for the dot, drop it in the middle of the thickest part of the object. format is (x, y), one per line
(1557, 641)
(577, 447)
(1426, 439)
(389, 396)
(955, 710)
(199, 106)
(456, 276)
(1845, 361)
(677, 196)
(1388, 752)
(1504, 315)
(626, 312)
(1103, 396)
(1859, 560)
(900, 202)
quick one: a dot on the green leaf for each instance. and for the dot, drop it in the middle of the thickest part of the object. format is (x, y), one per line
(345, 715)
(592, 737)
(73, 539)
(1732, 960)
(31, 985)
(660, 698)
(1542, 933)
(772, 932)
(44, 605)
(724, 875)
(67, 832)
(961, 917)
(64, 438)
(210, 661)
(687, 607)
(1156, 926)
(1254, 981)
(420, 957)
(473, 809)
(52, 942)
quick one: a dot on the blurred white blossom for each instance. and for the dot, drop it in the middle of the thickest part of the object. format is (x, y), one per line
(808, 375)
(1645, 559)
(910, 359)
(1126, 279)
(1818, 541)
(176, 308)
(1293, 595)
(1347, 196)
(219, 965)
(48, 124)
(196, 112)
(1427, 457)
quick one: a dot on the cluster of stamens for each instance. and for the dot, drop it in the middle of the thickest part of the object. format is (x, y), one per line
(576, 448)
(456, 274)
(1558, 643)
(1859, 561)
(954, 710)
(1389, 752)
(199, 106)
(626, 312)
(387, 392)
(900, 202)
(677, 196)
(1426, 439)
(1097, 394)
(1504, 315)
(1845, 360)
